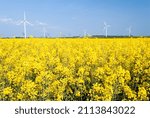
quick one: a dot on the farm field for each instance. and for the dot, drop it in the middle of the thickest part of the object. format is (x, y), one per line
(78, 69)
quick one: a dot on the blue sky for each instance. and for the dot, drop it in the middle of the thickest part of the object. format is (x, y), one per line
(73, 17)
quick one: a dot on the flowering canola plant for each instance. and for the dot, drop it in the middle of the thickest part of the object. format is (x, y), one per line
(80, 69)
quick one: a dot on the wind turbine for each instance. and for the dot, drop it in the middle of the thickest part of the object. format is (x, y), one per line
(60, 33)
(43, 26)
(44, 32)
(85, 33)
(129, 31)
(106, 26)
(25, 22)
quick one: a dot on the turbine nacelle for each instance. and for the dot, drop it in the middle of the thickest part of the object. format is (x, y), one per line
(106, 25)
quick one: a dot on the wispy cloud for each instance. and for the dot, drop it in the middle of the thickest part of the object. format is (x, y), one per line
(39, 23)
(8, 21)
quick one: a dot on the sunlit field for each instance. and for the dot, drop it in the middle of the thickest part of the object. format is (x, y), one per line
(75, 69)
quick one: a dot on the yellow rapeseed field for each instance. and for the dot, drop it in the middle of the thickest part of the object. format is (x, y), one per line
(75, 69)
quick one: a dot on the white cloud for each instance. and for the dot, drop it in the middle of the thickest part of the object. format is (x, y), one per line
(8, 21)
(41, 23)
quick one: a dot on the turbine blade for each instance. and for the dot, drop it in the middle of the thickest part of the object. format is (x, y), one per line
(19, 23)
(24, 15)
(29, 23)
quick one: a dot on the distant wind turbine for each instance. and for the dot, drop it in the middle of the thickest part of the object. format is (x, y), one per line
(44, 26)
(25, 22)
(44, 32)
(106, 26)
(129, 31)
(85, 33)
(60, 33)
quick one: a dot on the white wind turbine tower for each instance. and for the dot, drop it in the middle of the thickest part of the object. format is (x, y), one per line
(60, 33)
(106, 26)
(129, 31)
(44, 32)
(85, 33)
(25, 22)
